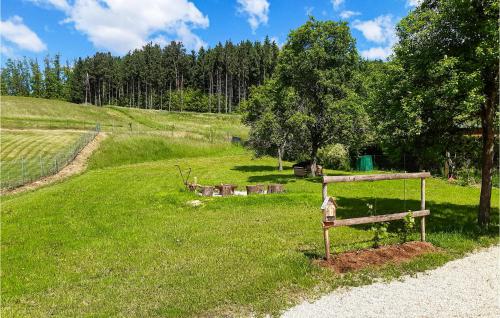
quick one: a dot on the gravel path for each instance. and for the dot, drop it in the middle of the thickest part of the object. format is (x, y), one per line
(467, 287)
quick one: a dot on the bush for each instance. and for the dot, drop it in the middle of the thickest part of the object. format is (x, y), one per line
(335, 156)
(379, 233)
(408, 224)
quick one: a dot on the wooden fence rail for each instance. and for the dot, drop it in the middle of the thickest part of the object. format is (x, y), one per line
(329, 205)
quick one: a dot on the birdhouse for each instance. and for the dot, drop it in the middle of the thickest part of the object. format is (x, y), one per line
(329, 208)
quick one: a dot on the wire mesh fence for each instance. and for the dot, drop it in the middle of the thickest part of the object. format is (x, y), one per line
(15, 173)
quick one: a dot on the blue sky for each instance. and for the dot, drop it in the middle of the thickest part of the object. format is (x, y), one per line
(76, 28)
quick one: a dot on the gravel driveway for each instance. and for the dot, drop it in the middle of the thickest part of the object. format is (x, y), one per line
(467, 287)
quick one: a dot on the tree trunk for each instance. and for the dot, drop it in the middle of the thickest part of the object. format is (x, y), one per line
(280, 158)
(314, 159)
(210, 93)
(182, 96)
(218, 91)
(225, 87)
(488, 134)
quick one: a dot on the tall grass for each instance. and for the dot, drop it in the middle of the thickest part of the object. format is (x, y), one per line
(121, 149)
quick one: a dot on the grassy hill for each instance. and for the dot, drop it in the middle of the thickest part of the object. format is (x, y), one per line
(27, 112)
(122, 239)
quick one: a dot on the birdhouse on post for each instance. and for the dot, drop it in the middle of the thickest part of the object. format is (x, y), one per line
(329, 208)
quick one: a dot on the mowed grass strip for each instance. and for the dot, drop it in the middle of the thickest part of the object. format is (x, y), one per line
(27, 155)
(28, 144)
(124, 241)
(27, 112)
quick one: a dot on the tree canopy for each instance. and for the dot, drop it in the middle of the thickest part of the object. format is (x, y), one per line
(443, 82)
(320, 62)
(211, 80)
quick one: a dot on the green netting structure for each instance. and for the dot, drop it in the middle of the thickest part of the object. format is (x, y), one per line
(364, 163)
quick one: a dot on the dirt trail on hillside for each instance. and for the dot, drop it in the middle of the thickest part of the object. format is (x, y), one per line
(78, 165)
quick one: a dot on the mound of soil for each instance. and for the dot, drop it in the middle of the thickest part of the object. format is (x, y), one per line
(356, 260)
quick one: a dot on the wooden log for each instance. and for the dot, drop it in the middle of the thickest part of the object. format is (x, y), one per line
(326, 236)
(376, 177)
(275, 188)
(325, 191)
(299, 171)
(319, 170)
(226, 189)
(422, 207)
(373, 219)
(255, 189)
(207, 191)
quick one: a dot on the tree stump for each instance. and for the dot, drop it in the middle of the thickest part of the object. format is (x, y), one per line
(207, 191)
(255, 189)
(275, 188)
(226, 189)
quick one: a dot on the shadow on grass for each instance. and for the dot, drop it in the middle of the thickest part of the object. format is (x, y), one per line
(445, 217)
(281, 178)
(257, 168)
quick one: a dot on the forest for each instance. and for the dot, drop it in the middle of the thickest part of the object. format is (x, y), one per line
(211, 80)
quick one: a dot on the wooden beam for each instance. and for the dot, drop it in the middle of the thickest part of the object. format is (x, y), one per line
(376, 177)
(373, 219)
(327, 243)
(422, 207)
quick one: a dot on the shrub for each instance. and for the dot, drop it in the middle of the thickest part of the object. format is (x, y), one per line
(408, 225)
(379, 233)
(335, 156)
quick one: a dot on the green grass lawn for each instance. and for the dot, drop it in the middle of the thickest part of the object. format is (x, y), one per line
(27, 112)
(28, 153)
(35, 143)
(122, 240)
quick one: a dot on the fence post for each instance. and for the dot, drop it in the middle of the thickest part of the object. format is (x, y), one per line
(326, 235)
(422, 207)
(22, 169)
(41, 166)
(57, 166)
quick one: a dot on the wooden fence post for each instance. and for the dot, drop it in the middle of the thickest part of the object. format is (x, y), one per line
(422, 207)
(326, 235)
(327, 243)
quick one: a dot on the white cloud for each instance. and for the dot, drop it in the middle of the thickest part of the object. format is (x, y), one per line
(347, 14)
(15, 31)
(123, 25)
(380, 30)
(257, 11)
(59, 4)
(413, 3)
(336, 4)
(8, 52)
(379, 52)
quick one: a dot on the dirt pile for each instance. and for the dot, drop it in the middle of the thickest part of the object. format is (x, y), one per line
(356, 260)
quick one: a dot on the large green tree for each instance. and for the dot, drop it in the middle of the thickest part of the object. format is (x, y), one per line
(443, 80)
(276, 125)
(320, 60)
